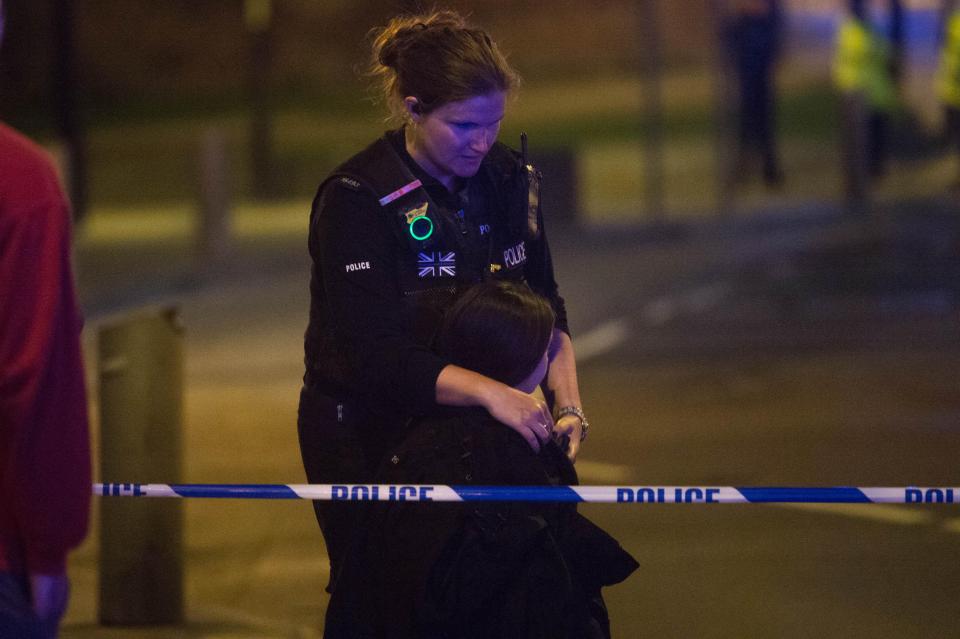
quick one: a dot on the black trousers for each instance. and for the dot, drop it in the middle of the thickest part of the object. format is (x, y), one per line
(757, 128)
(332, 453)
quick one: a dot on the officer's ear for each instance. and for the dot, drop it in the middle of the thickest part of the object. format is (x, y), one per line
(414, 108)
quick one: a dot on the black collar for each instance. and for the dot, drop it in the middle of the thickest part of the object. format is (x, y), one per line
(397, 139)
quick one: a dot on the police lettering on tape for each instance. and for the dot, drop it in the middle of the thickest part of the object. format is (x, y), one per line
(587, 494)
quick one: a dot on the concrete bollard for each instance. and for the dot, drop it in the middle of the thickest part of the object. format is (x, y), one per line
(141, 410)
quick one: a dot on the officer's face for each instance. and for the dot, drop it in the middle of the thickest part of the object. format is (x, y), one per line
(452, 140)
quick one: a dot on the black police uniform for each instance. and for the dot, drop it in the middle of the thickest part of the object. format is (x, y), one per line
(391, 247)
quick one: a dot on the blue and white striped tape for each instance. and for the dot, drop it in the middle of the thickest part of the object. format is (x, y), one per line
(587, 494)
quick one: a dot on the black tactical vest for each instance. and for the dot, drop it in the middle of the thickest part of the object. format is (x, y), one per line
(447, 246)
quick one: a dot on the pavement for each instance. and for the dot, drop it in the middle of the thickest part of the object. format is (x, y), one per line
(257, 569)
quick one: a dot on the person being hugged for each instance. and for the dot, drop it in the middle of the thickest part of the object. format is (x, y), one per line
(469, 569)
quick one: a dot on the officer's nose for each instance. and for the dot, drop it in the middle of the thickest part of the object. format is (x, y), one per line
(482, 141)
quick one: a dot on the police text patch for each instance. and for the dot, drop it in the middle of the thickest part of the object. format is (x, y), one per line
(515, 256)
(357, 266)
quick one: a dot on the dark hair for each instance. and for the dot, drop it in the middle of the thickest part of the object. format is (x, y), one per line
(500, 329)
(437, 58)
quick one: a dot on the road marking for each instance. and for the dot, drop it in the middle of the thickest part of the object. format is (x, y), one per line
(659, 311)
(952, 525)
(876, 512)
(602, 472)
(695, 301)
(607, 336)
(602, 339)
(889, 514)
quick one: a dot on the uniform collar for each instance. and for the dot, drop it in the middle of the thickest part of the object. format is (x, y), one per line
(397, 139)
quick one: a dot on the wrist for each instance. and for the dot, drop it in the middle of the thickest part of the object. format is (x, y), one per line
(489, 392)
(573, 411)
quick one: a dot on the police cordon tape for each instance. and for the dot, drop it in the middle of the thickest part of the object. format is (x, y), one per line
(585, 494)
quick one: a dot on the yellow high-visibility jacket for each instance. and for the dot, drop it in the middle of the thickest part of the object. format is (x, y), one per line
(948, 75)
(862, 63)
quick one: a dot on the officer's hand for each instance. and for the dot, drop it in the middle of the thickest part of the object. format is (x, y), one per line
(571, 427)
(524, 413)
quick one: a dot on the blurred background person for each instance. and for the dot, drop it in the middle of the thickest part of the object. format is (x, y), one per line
(752, 36)
(862, 72)
(44, 446)
(948, 80)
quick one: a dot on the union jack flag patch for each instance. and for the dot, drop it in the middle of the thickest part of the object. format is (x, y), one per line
(437, 264)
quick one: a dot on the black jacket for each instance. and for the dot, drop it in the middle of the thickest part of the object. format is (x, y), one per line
(377, 292)
(475, 570)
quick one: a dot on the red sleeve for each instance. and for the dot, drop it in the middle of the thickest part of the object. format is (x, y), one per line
(45, 444)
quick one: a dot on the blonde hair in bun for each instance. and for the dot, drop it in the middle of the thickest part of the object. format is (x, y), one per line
(438, 58)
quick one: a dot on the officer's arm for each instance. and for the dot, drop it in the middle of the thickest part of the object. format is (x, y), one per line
(561, 388)
(524, 413)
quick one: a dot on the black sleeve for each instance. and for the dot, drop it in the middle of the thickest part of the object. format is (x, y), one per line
(538, 270)
(356, 251)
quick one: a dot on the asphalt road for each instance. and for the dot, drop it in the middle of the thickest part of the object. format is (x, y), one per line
(765, 363)
(712, 358)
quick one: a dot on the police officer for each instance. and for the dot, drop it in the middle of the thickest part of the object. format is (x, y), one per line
(395, 232)
(862, 73)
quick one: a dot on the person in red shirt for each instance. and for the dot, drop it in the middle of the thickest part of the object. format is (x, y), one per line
(44, 444)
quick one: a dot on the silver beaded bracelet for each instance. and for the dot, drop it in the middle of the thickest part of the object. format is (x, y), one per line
(575, 410)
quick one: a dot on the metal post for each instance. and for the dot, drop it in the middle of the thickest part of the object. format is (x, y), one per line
(651, 73)
(213, 225)
(258, 15)
(854, 143)
(66, 88)
(725, 121)
(141, 409)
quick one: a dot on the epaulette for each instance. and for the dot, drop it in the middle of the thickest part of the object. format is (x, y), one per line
(349, 182)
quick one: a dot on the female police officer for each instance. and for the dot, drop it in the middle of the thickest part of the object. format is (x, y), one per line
(394, 232)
